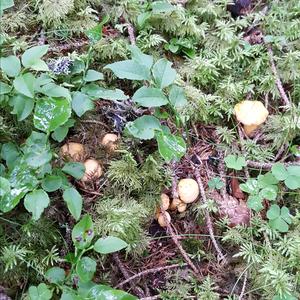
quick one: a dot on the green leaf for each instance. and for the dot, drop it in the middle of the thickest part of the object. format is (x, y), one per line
(129, 69)
(10, 153)
(35, 202)
(50, 113)
(53, 90)
(95, 34)
(177, 97)
(55, 275)
(83, 233)
(22, 106)
(279, 218)
(51, 183)
(4, 186)
(142, 18)
(163, 73)
(141, 58)
(255, 202)
(61, 132)
(74, 202)
(96, 92)
(284, 297)
(109, 244)
(69, 295)
(31, 58)
(250, 187)
(81, 103)
(85, 269)
(4, 88)
(293, 179)
(279, 171)
(143, 127)
(74, 169)
(103, 292)
(215, 183)
(37, 151)
(266, 180)
(162, 7)
(235, 162)
(4, 4)
(149, 97)
(269, 192)
(92, 75)
(24, 84)
(171, 147)
(10, 65)
(41, 292)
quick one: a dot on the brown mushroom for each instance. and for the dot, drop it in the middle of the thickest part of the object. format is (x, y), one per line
(164, 201)
(182, 207)
(174, 204)
(161, 219)
(251, 114)
(93, 170)
(109, 141)
(73, 150)
(188, 190)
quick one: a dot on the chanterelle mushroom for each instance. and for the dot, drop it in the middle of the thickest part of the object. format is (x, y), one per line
(251, 114)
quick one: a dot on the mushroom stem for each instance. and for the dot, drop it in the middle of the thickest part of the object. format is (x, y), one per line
(249, 129)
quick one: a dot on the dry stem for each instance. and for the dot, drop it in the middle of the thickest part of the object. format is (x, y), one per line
(268, 166)
(149, 271)
(221, 256)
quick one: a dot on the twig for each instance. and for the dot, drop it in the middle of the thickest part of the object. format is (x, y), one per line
(126, 275)
(96, 122)
(151, 298)
(243, 151)
(221, 256)
(67, 47)
(244, 286)
(278, 82)
(178, 245)
(268, 166)
(131, 34)
(149, 271)
(174, 181)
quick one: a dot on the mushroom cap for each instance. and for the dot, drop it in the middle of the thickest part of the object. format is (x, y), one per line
(251, 112)
(161, 219)
(164, 201)
(109, 141)
(188, 190)
(93, 170)
(174, 204)
(182, 207)
(74, 150)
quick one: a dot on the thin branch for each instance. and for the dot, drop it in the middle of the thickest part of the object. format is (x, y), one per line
(136, 290)
(95, 122)
(178, 245)
(244, 286)
(278, 82)
(149, 271)
(221, 256)
(131, 34)
(268, 166)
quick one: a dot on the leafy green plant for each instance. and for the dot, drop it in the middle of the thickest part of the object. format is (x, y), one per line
(82, 268)
(235, 162)
(158, 91)
(181, 46)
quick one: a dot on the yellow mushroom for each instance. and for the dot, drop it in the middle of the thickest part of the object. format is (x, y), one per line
(251, 114)
(182, 207)
(164, 201)
(188, 190)
(174, 204)
(73, 150)
(161, 219)
(93, 170)
(109, 141)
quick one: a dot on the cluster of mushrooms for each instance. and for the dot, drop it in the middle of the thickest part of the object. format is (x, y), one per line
(188, 192)
(77, 152)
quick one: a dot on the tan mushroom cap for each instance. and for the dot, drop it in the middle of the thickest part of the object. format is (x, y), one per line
(93, 170)
(161, 219)
(188, 190)
(164, 201)
(109, 141)
(251, 114)
(73, 150)
(182, 207)
(174, 204)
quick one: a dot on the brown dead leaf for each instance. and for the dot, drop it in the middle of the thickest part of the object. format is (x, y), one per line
(236, 191)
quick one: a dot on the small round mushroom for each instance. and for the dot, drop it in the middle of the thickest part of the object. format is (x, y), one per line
(174, 204)
(164, 201)
(161, 219)
(109, 141)
(188, 190)
(251, 114)
(93, 170)
(182, 207)
(73, 150)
